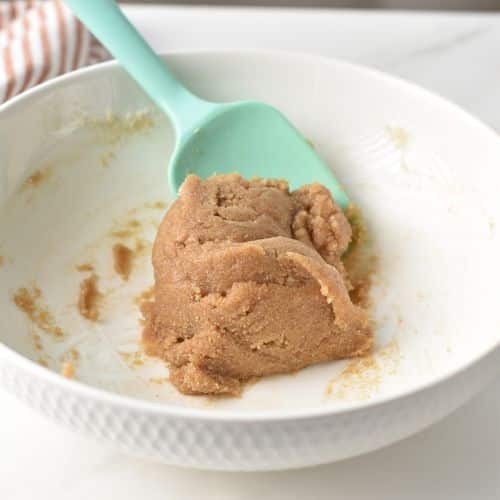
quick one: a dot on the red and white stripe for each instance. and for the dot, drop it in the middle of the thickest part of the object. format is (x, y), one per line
(40, 39)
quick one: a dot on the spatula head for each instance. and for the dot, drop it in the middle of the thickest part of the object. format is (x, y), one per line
(252, 139)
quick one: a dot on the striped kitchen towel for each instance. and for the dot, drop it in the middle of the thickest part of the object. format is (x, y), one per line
(40, 39)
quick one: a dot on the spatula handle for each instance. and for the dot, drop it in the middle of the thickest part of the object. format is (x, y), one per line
(107, 22)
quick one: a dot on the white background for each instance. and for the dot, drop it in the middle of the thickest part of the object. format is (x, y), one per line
(458, 458)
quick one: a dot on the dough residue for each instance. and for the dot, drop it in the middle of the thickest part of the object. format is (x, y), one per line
(85, 267)
(358, 380)
(88, 299)
(361, 378)
(113, 128)
(398, 135)
(127, 229)
(132, 359)
(250, 281)
(37, 178)
(158, 205)
(122, 260)
(29, 301)
(145, 296)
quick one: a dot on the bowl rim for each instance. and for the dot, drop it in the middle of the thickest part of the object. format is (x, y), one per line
(273, 416)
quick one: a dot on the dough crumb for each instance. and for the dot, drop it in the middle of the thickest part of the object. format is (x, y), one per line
(122, 260)
(37, 342)
(145, 296)
(85, 267)
(141, 245)
(159, 205)
(106, 158)
(89, 298)
(398, 135)
(37, 178)
(359, 260)
(133, 359)
(68, 370)
(492, 226)
(74, 354)
(158, 380)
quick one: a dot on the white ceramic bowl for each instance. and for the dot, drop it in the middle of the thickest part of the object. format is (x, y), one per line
(425, 173)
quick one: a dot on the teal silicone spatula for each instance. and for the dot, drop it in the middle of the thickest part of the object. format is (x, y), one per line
(251, 138)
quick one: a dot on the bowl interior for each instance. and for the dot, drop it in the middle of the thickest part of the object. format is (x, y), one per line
(85, 169)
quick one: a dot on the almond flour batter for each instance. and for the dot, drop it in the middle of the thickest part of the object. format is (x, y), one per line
(249, 282)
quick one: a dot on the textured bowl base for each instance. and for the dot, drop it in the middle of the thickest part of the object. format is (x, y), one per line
(255, 445)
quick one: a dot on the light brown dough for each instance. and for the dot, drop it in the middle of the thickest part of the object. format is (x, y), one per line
(249, 282)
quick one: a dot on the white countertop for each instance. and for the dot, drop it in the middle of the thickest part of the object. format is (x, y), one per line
(458, 458)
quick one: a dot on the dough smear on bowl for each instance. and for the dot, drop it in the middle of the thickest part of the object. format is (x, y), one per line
(249, 282)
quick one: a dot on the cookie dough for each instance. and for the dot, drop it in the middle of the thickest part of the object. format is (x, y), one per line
(249, 282)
